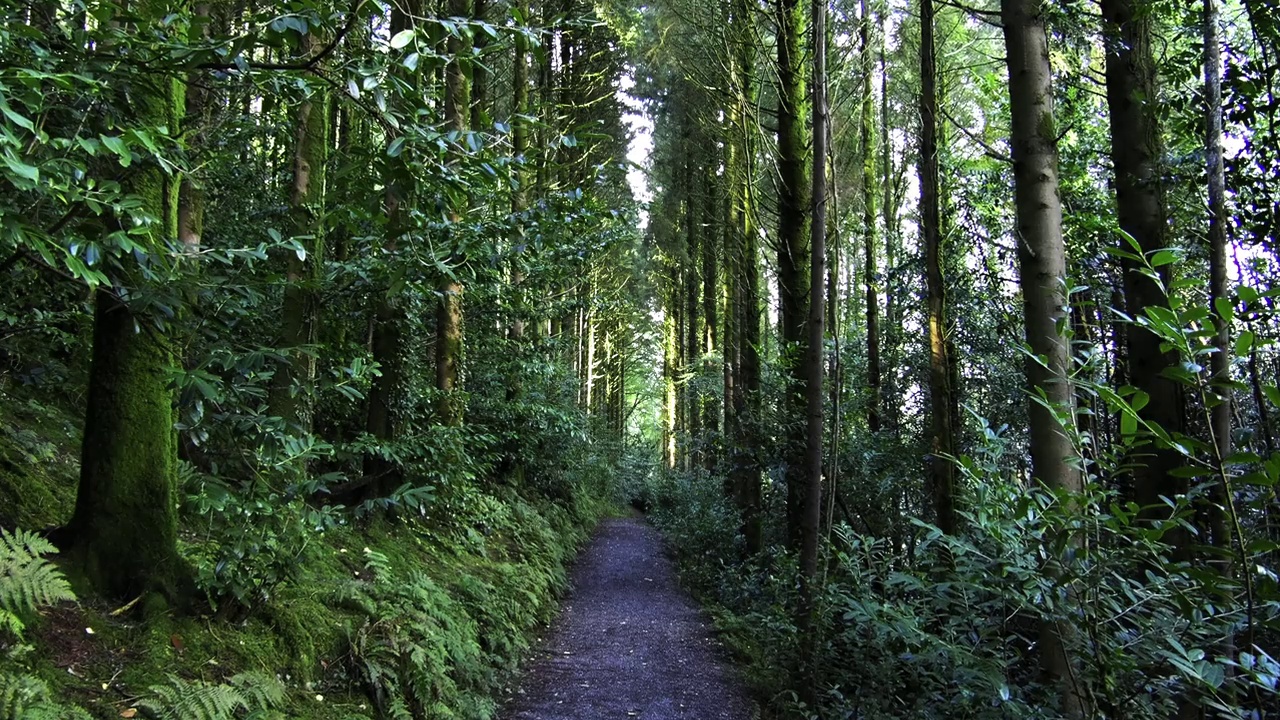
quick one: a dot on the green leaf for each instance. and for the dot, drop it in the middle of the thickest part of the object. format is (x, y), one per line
(1128, 424)
(396, 147)
(16, 118)
(402, 38)
(1273, 394)
(1225, 309)
(30, 172)
(1140, 400)
(116, 145)
(1244, 343)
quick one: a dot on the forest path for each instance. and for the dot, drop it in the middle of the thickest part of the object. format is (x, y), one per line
(629, 643)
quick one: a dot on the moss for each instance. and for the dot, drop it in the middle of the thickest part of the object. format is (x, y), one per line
(125, 521)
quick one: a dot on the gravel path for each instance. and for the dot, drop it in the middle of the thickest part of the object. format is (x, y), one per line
(629, 643)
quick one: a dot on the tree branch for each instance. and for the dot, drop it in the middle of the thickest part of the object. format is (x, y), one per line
(987, 150)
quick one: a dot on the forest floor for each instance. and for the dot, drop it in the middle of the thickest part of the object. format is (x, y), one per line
(629, 643)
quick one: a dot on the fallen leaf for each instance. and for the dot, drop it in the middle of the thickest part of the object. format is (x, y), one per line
(129, 712)
(177, 642)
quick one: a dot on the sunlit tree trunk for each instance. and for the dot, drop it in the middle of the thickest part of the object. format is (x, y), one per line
(1043, 268)
(941, 420)
(793, 251)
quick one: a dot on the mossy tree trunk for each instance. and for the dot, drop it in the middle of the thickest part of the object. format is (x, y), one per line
(291, 396)
(380, 475)
(448, 342)
(124, 528)
(793, 249)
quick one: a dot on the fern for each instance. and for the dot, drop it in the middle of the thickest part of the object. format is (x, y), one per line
(27, 580)
(261, 692)
(23, 697)
(195, 700)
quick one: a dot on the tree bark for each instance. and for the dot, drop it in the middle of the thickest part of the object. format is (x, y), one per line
(293, 385)
(870, 270)
(448, 345)
(1135, 154)
(381, 419)
(811, 498)
(942, 422)
(124, 528)
(793, 253)
(1042, 264)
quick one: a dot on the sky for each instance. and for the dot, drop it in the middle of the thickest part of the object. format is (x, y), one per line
(641, 145)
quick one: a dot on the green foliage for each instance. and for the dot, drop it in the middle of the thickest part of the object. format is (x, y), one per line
(252, 696)
(27, 580)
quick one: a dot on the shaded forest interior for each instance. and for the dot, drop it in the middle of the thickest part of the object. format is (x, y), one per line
(938, 338)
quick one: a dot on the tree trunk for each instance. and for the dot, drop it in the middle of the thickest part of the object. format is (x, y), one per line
(124, 528)
(793, 254)
(746, 296)
(448, 345)
(1135, 155)
(811, 497)
(1043, 269)
(942, 471)
(1221, 511)
(382, 476)
(870, 271)
(292, 389)
(479, 72)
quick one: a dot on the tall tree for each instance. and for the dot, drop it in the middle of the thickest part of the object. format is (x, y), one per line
(870, 272)
(448, 345)
(381, 421)
(794, 194)
(124, 528)
(744, 277)
(1043, 270)
(814, 365)
(942, 472)
(295, 376)
(1136, 151)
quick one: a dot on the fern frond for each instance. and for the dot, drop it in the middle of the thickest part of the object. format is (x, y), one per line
(261, 692)
(193, 700)
(18, 692)
(23, 697)
(27, 580)
(10, 623)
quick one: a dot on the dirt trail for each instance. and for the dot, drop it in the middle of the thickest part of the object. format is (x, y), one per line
(629, 643)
